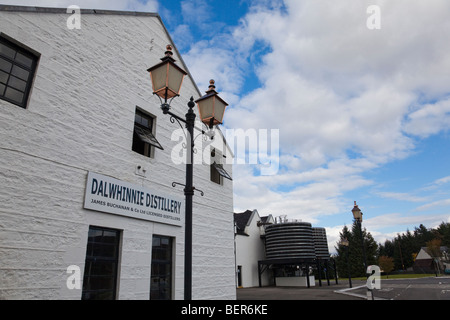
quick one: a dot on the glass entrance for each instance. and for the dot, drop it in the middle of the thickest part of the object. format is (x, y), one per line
(161, 275)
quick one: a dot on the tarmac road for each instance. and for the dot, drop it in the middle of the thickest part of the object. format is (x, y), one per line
(431, 288)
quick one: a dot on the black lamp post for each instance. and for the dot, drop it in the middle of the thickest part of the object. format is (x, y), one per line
(357, 214)
(346, 244)
(167, 79)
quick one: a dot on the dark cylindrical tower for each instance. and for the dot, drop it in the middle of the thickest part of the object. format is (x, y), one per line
(321, 243)
(290, 240)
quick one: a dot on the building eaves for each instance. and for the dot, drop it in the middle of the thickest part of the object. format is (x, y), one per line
(12, 8)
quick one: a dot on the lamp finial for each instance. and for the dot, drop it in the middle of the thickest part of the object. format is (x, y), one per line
(169, 52)
(211, 85)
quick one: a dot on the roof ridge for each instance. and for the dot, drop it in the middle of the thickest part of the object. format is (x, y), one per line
(34, 9)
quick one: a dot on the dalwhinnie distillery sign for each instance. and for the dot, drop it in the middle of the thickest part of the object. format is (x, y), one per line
(114, 196)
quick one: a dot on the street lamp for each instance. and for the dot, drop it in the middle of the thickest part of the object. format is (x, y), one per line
(346, 244)
(211, 107)
(167, 79)
(357, 214)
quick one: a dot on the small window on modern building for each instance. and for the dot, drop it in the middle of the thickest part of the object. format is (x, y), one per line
(216, 169)
(17, 68)
(102, 264)
(144, 140)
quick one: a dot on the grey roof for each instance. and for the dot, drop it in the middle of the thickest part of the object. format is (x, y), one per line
(5, 7)
(241, 220)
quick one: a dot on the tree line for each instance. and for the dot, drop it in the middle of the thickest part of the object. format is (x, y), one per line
(396, 254)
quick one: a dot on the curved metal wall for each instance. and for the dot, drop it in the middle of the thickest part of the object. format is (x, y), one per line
(321, 243)
(291, 240)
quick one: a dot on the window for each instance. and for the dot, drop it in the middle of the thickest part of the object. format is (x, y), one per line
(161, 277)
(102, 260)
(217, 170)
(239, 274)
(17, 68)
(143, 138)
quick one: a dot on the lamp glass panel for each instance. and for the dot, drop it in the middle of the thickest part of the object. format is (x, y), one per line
(175, 79)
(206, 108)
(357, 214)
(159, 77)
(219, 110)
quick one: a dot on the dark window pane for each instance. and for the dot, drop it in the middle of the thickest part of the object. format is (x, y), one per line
(215, 176)
(20, 72)
(16, 83)
(14, 95)
(137, 118)
(95, 234)
(161, 275)
(104, 250)
(4, 77)
(7, 51)
(109, 236)
(143, 119)
(5, 65)
(27, 61)
(144, 122)
(17, 67)
(98, 295)
(101, 266)
(100, 283)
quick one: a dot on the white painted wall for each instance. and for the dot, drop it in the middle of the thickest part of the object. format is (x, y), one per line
(80, 118)
(249, 250)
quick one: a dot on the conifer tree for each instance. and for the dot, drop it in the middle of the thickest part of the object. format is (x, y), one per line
(355, 251)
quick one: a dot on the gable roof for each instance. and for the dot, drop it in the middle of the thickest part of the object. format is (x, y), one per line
(425, 255)
(242, 220)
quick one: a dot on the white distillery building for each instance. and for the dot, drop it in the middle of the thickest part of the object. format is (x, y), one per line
(87, 165)
(250, 247)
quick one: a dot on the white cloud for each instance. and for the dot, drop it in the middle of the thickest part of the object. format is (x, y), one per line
(443, 180)
(434, 204)
(402, 196)
(429, 119)
(341, 94)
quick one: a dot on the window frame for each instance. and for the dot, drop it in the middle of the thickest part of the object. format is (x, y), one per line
(142, 133)
(23, 50)
(217, 172)
(92, 259)
(157, 261)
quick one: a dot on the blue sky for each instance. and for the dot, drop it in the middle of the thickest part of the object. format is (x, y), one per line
(363, 115)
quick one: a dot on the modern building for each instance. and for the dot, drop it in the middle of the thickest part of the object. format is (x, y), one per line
(91, 206)
(276, 251)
